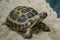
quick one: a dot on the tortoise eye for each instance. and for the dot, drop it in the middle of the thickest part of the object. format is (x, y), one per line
(30, 14)
(22, 18)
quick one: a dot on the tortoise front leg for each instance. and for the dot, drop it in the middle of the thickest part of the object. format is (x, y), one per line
(43, 26)
(28, 34)
(40, 27)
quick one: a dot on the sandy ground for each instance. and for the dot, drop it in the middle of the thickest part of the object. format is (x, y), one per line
(40, 5)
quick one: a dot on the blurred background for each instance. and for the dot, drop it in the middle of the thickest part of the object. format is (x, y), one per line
(55, 4)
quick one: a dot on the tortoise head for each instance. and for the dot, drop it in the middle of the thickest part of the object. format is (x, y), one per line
(42, 15)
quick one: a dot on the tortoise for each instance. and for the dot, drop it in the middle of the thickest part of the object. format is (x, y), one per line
(25, 19)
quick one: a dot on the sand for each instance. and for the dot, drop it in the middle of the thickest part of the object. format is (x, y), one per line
(41, 6)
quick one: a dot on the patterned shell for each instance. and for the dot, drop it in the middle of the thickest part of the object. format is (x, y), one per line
(20, 15)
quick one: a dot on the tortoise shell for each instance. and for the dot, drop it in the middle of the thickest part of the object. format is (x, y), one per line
(19, 17)
(22, 18)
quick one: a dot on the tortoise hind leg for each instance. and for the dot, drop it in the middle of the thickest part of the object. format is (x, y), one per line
(4, 23)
